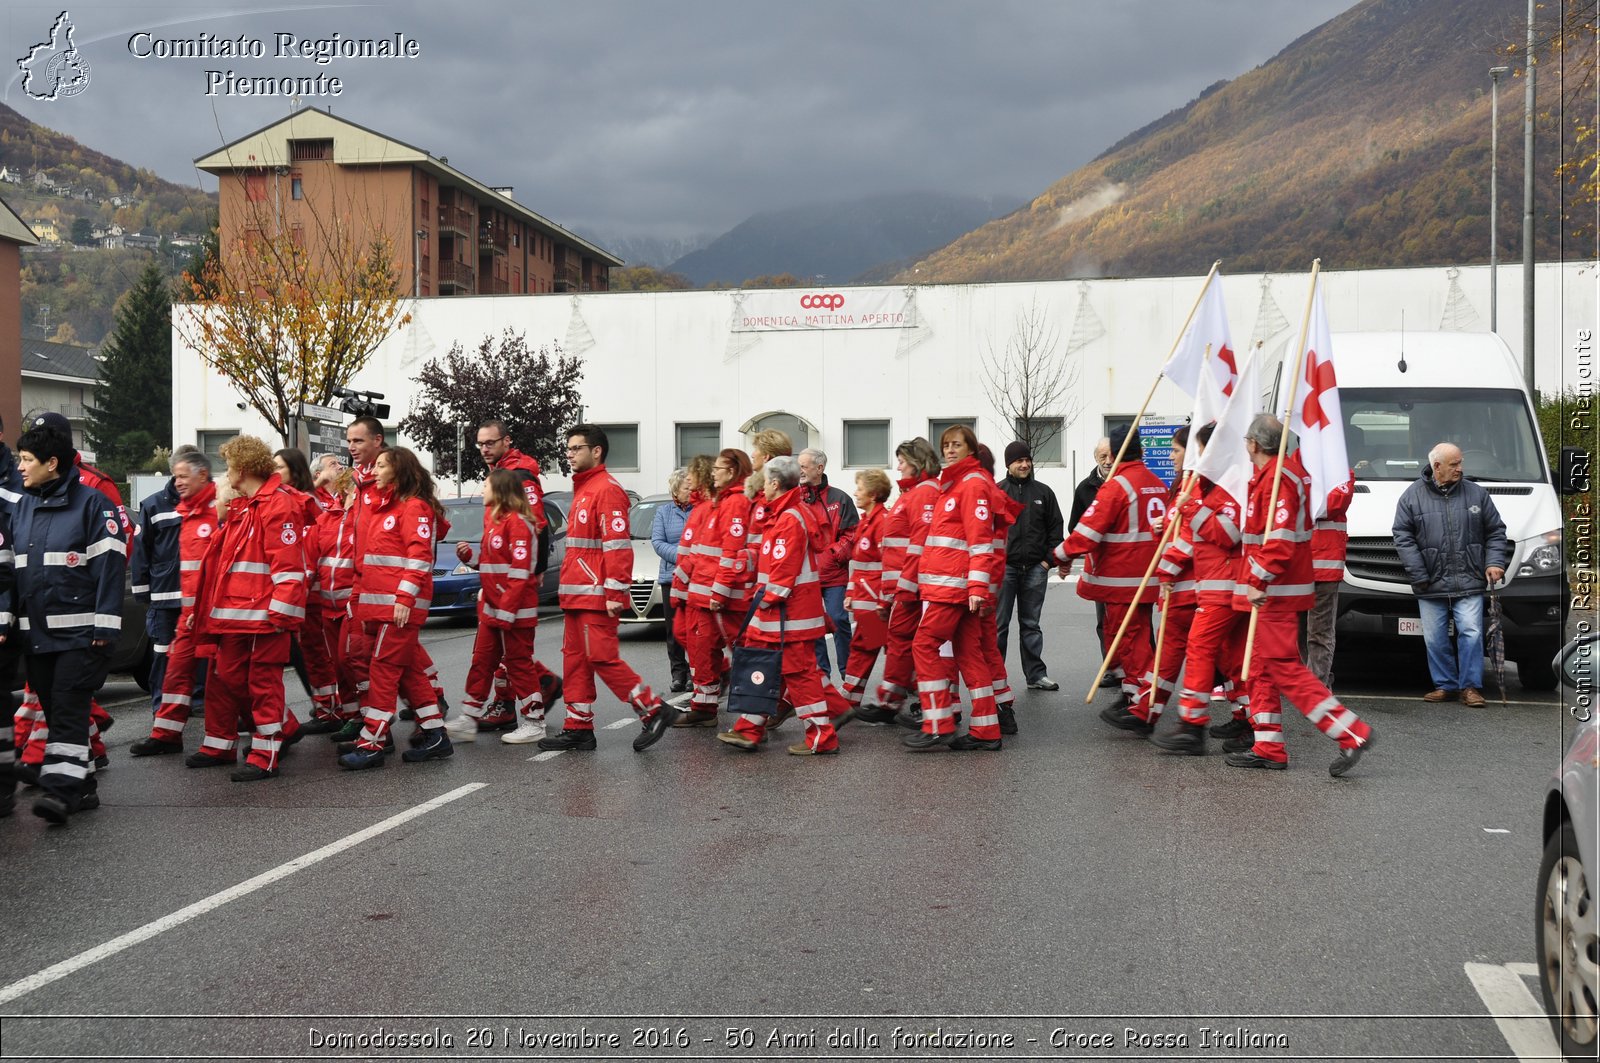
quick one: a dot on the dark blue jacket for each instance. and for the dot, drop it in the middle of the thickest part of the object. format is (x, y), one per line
(69, 560)
(1448, 536)
(8, 578)
(10, 480)
(153, 562)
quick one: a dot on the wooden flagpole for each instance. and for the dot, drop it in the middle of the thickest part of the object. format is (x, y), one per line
(1283, 446)
(1170, 533)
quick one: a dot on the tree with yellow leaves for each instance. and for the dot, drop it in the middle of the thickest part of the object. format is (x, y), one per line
(286, 319)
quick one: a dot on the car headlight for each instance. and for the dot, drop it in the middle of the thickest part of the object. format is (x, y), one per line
(1544, 559)
(462, 569)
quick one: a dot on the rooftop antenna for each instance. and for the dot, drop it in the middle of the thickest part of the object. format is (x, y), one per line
(1402, 341)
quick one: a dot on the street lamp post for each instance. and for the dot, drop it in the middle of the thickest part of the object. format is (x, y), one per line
(1494, 195)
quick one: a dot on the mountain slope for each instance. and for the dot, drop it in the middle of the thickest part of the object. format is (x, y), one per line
(838, 241)
(1366, 142)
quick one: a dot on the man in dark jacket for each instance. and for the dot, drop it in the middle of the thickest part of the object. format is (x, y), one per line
(836, 514)
(1037, 531)
(10, 494)
(69, 609)
(1453, 545)
(153, 566)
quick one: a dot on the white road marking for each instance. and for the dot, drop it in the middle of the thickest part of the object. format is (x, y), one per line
(618, 725)
(58, 971)
(1495, 830)
(1520, 1017)
(547, 754)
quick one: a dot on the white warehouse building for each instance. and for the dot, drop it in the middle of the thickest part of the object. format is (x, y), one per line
(853, 371)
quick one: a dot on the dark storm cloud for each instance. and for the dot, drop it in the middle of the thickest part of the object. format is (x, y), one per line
(665, 119)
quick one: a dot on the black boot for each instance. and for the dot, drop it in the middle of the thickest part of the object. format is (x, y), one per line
(568, 739)
(1187, 738)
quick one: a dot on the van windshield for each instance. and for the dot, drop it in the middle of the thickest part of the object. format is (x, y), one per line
(1389, 437)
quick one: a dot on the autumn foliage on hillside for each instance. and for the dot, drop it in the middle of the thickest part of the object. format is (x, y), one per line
(1366, 142)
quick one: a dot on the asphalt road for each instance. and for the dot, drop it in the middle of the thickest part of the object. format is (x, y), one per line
(1077, 888)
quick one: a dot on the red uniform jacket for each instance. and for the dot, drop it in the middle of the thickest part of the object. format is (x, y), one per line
(732, 578)
(786, 576)
(1115, 531)
(196, 533)
(1277, 554)
(694, 572)
(598, 566)
(253, 581)
(336, 555)
(1176, 570)
(865, 592)
(1006, 511)
(906, 534)
(760, 514)
(90, 476)
(394, 565)
(958, 554)
(1213, 526)
(517, 461)
(510, 597)
(1330, 535)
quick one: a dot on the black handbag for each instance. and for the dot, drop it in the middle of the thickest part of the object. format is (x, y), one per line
(755, 679)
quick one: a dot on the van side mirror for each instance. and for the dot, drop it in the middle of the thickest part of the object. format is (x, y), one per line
(1574, 475)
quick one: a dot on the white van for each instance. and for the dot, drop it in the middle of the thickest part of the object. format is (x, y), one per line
(1401, 394)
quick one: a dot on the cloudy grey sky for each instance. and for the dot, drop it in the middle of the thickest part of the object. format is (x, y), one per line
(649, 118)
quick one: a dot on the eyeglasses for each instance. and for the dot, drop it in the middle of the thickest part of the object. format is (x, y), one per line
(489, 442)
(580, 446)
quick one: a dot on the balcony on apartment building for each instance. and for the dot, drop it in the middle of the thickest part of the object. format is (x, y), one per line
(569, 276)
(490, 285)
(455, 220)
(455, 276)
(492, 241)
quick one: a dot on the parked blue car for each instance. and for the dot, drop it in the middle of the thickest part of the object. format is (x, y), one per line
(456, 584)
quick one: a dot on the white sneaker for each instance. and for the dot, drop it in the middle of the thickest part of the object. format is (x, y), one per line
(528, 730)
(462, 728)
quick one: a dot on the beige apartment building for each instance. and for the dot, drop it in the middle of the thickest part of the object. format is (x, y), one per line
(315, 173)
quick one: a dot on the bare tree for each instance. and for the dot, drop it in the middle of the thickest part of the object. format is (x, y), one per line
(1033, 382)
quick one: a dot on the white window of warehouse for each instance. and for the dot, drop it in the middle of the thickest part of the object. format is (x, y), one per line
(624, 453)
(866, 444)
(698, 438)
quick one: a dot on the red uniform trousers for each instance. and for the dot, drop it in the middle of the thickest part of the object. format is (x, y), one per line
(507, 650)
(706, 644)
(1174, 640)
(589, 646)
(1134, 654)
(966, 631)
(1215, 653)
(319, 649)
(1276, 669)
(247, 679)
(870, 636)
(355, 662)
(31, 733)
(502, 689)
(816, 703)
(899, 670)
(398, 669)
(177, 689)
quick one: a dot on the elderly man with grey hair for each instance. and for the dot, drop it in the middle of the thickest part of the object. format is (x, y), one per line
(1453, 545)
(837, 517)
(153, 565)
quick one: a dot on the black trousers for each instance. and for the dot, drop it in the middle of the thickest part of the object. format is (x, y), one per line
(675, 654)
(10, 656)
(66, 682)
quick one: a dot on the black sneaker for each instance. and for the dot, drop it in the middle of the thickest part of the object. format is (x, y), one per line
(877, 715)
(1008, 720)
(569, 738)
(1252, 760)
(1123, 719)
(154, 747)
(654, 728)
(1189, 738)
(435, 745)
(253, 773)
(923, 742)
(1349, 758)
(206, 760)
(967, 742)
(1232, 729)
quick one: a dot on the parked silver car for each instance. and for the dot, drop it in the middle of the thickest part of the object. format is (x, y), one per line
(1568, 926)
(644, 593)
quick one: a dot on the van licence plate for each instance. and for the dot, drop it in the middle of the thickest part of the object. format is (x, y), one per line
(1409, 625)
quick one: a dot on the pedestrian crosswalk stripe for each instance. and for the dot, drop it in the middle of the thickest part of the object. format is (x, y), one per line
(1520, 1017)
(618, 725)
(547, 754)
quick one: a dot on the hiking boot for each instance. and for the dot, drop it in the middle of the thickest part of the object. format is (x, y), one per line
(1123, 719)
(695, 718)
(52, 810)
(569, 738)
(910, 716)
(653, 728)
(206, 760)
(1239, 743)
(923, 742)
(967, 742)
(1250, 759)
(874, 714)
(253, 773)
(1234, 727)
(435, 745)
(320, 726)
(1189, 738)
(1349, 758)
(1008, 720)
(154, 747)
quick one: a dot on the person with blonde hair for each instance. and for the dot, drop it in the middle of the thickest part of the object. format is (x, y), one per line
(698, 557)
(252, 598)
(714, 616)
(508, 613)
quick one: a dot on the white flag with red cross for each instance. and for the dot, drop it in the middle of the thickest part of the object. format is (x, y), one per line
(1316, 416)
(1207, 334)
(1225, 462)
